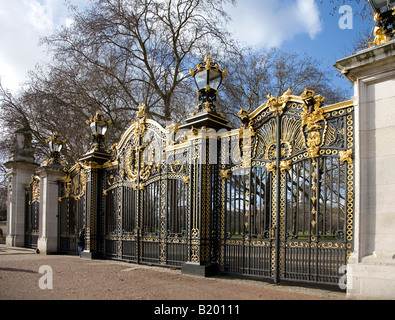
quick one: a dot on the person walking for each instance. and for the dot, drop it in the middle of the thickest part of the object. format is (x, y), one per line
(81, 241)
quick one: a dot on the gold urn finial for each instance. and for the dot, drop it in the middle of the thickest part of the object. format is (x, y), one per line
(208, 60)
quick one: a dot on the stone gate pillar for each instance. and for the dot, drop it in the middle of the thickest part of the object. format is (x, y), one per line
(20, 168)
(371, 268)
(48, 237)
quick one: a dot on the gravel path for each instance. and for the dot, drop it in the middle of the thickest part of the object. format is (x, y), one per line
(78, 279)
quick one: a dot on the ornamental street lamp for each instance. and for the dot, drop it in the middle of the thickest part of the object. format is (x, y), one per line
(55, 146)
(208, 79)
(381, 6)
(98, 126)
(385, 19)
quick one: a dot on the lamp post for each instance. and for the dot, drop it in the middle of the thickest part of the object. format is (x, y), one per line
(381, 6)
(98, 126)
(385, 19)
(55, 145)
(94, 159)
(208, 79)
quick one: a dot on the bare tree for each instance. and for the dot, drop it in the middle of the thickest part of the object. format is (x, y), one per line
(145, 47)
(116, 55)
(255, 75)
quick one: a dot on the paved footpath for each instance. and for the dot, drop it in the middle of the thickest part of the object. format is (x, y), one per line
(74, 278)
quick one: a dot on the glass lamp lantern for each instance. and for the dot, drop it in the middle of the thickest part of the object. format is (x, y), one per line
(55, 145)
(380, 6)
(208, 79)
(385, 20)
(98, 126)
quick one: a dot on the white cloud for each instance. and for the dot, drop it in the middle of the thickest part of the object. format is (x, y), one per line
(262, 23)
(268, 23)
(68, 22)
(22, 24)
(308, 15)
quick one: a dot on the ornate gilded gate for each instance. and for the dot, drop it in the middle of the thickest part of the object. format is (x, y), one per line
(147, 197)
(274, 199)
(287, 198)
(72, 208)
(32, 212)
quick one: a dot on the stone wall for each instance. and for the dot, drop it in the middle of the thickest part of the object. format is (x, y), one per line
(371, 271)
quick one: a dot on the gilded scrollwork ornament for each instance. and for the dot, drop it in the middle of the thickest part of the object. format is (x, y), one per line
(285, 165)
(314, 124)
(186, 180)
(110, 181)
(380, 31)
(145, 171)
(346, 156)
(277, 105)
(243, 115)
(271, 167)
(35, 189)
(314, 194)
(380, 36)
(225, 174)
(142, 111)
(139, 124)
(131, 162)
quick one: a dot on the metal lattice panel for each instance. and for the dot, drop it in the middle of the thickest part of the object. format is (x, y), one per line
(290, 215)
(277, 202)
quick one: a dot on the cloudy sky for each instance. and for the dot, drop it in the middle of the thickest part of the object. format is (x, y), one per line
(268, 23)
(290, 25)
(22, 23)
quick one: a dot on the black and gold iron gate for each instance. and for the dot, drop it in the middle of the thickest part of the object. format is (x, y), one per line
(32, 212)
(274, 199)
(72, 208)
(147, 197)
(287, 205)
